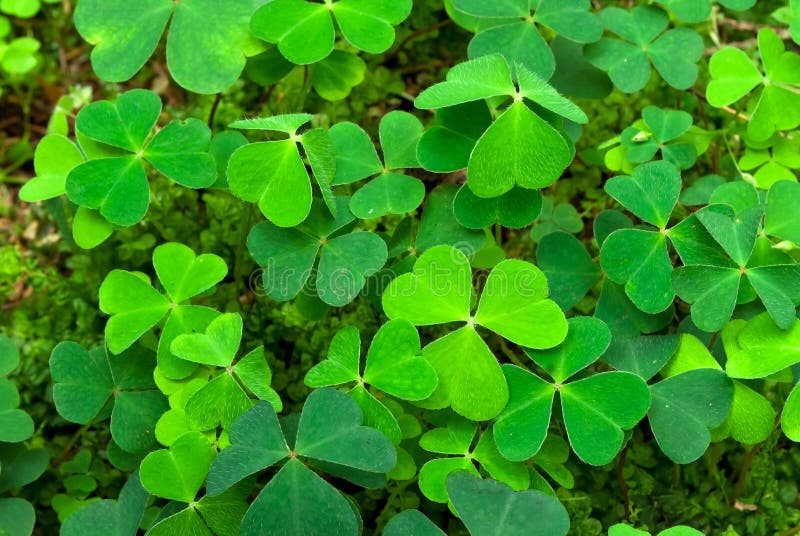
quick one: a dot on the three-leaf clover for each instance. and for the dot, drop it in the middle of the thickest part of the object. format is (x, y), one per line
(15, 424)
(21, 466)
(663, 127)
(674, 53)
(513, 304)
(305, 31)
(775, 159)
(116, 183)
(273, 174)
(503, 156)
(594, 421)
(329, 435)
(115, 517)
(92, 385)
(393, 365)
(206, 43)
(512, 29)
(288, 256)
(390, 191)
(639, 258)
(135, 306)
(734, 75)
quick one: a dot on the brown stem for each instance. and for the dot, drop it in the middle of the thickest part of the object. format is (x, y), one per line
(214, 108)
(419, 33)
(743, 470)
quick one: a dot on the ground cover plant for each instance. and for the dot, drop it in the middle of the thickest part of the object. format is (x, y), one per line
(391, 267)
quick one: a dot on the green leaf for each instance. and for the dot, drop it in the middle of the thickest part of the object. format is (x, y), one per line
(368, 26)
(496, 10)
(9, 355)
(216, 347)
(389, 193)
(345, 264)
(521, 428)
(433, 476)
(516, 208)
(125, 123)
(399, 134)
(272, 174)
(394, 364)
(218, 403)
(439, 225)
(21, 465)
(55, 157)
(781, 218)
(733, 76)
(514, 304)
(411, 522)
(712, 292)
(17, 517)
(179, 151)
(185, 274)
(254, 372)
(297, 501)
(751, 417)
(356, 157)
(378, 416)
(640, 260)
(623, 317)
(761, 348)
(330, 430)
(342, 362)
(334, 77)
(595, 421)
(650, 193)
(685, 407)
(118, 517)
(256, 443)
(178, 473)
(478, 502)
(319, 152)
(533, 87)
(481, 78)
(503, 157)
(520, 43)
(15, 424)
(470, 378)
(692, 11)
(303, 31)
(90, 228)
(790, 418)
(447, 144)
(587, 339)
(570, 271)
(182, 320)
(735, 232)
(779, 288)
(643, 355)
(439, 289)
(288, 123)
(571, 18)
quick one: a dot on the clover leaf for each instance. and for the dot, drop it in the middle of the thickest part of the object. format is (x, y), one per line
(393, 365)
(694, 11)
(288, 256)
(569, 268)
(21, 466)
(758, 348)
(456, 439)
(476, 501)
(780, 220)
(775, 159)
(135, 306)
(516, 208)
(411, 522)
(296, 500)
(639, 258)
(91, 385)
(561, 217)
(55, 157)
(334, 77)
(204, 54)
(513, 305)
(15, 424)
(117, 185)
(305, 33)
(790, 423)
(447, 144)
(625, 530)
(733, 76)
(516, 35)
(674, 53)
(117, 517)
(502, 158)
(664, 126)
(390, 192)
(273, 174)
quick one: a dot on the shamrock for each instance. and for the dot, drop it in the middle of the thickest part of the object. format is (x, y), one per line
(55, 157)
(116, 184)
(91, 385)
(674, 53)
(569, 268)
(346, 259)
(296, 500)
(552, 218)
(663, 126)
(393, 365)
(115, 517)
(305, 32)
(135, 306)
(734, 75)
(594, 422)
(390, 192)
(515, 34)
(775, 159)
(273, 174)
(205, 54)
(713, 287)
(15, 424)
(476, 500)
(502, 158)
(456, 439)
(639, 258)
(224, 398)
(513, 305)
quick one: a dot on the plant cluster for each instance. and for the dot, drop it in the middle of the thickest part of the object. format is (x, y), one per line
(507, 339)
